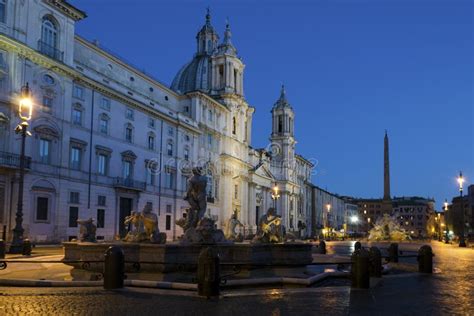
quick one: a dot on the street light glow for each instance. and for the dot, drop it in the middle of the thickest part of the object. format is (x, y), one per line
(25, 106)
(354, 219)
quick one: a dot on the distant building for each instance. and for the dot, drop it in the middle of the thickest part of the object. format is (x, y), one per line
(454, 214)
(413, 213)
(329, 213)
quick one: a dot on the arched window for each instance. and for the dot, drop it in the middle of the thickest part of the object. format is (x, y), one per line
(186, 153)
(49, 37)
(104, 123)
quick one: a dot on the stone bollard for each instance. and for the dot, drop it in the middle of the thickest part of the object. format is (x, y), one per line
(425, 259)
(322, 247)
(357, 245)
(208, 273)
(2, 248)
(375, 259)
(114, 268)
(393, 252)
(360, 269)
(26, 248)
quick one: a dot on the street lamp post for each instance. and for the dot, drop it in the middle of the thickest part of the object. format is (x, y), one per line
(462, 242)
(24, 112)
(275, 196)
(445, 210)
(439, 226)
(328, 207)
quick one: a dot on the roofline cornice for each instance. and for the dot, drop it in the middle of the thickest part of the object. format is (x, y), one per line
(21, 49)
(67, 8)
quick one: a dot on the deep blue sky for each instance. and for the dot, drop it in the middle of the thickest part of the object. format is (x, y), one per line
(351, 68)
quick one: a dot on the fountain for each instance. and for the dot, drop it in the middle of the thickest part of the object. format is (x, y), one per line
(387, 228)
(146, 252)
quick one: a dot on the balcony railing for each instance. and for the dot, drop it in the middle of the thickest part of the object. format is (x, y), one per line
(129, 184)
(9, 160)
(50, 51)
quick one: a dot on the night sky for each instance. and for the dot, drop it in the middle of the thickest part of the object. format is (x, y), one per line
(351, 69)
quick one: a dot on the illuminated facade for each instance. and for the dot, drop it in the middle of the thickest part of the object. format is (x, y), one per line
(109, 139)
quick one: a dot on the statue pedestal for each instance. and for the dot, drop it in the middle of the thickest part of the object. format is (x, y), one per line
(170, 258)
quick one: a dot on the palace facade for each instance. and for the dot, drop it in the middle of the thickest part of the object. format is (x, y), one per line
(108, 139)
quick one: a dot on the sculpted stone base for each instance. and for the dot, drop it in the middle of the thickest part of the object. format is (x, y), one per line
(178, 257)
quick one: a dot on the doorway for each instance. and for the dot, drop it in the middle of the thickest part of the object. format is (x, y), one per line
(125, 210)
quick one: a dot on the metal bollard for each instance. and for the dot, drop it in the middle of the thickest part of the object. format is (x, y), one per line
(393, 252)
(322, 247)
(360, 269)
(208, 273)
(3, 246)
(375, 259)
(357, 245)
(425, 259)
(114, 268)
(26, 248)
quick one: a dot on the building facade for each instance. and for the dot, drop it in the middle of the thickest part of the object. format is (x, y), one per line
(108, 139)
(459, 212)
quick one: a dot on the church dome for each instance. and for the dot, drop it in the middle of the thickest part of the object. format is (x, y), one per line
(193, 76)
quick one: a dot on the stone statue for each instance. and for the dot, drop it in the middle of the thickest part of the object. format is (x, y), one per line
(87, 230)
(144, 227)
(231, 227)
(196, 197)
(204, 233)
(270, 229)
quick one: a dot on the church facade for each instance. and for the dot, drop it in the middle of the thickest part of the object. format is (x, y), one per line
(108, 140)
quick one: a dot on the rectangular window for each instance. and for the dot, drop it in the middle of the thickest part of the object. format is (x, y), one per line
(170, 131)
(77, 117)
(101, 200)
(44, 150)
(168, 208)
(105, 104)
(74, 197)
(150, 177)
(186, 154)
(104, 126)
(127, 169)
(168, 222)
(42, 209)
(169, 179)
(129, 114)
(100, 218)
(75, 158)
(209, 141)
(169, 149)
(47, 102)
(151, 142)
(73, 216)
(210, 116)
(102, 165)
(128, 134)
(3, 11)
(151, 122)
(78, 92)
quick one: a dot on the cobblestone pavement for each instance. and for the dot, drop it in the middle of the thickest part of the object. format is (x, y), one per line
(447, 292)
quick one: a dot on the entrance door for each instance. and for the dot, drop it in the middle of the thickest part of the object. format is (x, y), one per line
(125, 210)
